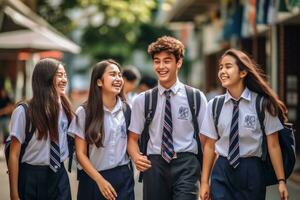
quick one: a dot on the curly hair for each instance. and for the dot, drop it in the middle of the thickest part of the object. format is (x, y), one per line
(169, 44)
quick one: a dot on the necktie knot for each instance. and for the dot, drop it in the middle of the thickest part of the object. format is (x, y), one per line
(168, 93)
(235, 102)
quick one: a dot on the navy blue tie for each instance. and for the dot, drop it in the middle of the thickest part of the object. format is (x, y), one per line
(167, 148)
(234, 150)
(54, 156)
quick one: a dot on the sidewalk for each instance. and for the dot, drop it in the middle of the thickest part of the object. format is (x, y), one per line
(295, 177)
(272, 192)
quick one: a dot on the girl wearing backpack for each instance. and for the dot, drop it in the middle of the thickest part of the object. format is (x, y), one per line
(237, 137)
(101, 138)
(41, 173)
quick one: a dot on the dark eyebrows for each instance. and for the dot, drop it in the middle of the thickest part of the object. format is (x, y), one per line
(166, 58)
(114, 72)
(226, 64)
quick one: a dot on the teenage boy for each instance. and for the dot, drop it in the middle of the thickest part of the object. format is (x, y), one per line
(171, 168)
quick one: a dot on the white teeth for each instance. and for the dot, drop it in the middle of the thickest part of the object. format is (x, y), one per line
(224, 77)
(162, 73)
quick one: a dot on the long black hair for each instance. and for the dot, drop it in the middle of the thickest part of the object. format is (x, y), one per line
(94, 105)
(255, 81)
(44, 106)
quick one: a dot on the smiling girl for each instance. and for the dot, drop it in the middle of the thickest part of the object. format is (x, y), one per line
(41, 173)
(237, 138)
(101, 138)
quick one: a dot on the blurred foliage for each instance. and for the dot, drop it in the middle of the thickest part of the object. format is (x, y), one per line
(105, 28)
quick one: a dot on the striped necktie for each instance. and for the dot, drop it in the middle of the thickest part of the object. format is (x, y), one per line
(167, 148)
(234, 150)
(54, 156)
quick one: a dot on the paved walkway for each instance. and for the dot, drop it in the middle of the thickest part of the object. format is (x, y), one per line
(272, 192)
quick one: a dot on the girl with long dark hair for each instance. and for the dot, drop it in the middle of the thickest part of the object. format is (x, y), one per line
(41, 173)
(237, 138)
(101, 138)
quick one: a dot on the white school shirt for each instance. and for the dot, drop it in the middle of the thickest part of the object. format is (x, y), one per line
(113, 152)
(183, 130)
(250, 134)
(38, 151)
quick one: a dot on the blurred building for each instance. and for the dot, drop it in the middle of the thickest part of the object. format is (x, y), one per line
(25, 38)
(269, 30)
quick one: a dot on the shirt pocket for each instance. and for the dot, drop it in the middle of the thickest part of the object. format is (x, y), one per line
(250, 121)
(183, 113)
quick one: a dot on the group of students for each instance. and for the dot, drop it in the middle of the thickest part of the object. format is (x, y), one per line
(231, 165)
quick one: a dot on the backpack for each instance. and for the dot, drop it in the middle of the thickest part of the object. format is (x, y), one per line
(286, 140)
(287, 144)
(194, 101)
(28, 135)
(127, 115)
(29, 131)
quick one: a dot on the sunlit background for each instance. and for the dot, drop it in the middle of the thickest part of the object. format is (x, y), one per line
(83, 32)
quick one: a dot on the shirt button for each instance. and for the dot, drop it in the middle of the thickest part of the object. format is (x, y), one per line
(55, 166)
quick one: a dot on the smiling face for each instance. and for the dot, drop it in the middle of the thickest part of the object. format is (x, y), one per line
(166, 68)
(111, 81)
(60, 80)
(229, 73)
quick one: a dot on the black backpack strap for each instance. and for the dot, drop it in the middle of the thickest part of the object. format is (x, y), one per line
(127, 114)
(194, 100)
(29, 130)
(261, 117)
(217, 106)
(150, 107)
(71, 148)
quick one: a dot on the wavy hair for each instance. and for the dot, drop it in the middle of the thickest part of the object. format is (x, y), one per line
(255, 80)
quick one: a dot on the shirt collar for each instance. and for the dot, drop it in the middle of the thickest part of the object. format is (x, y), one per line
(175, 88)
(116, 108)
(246, 94)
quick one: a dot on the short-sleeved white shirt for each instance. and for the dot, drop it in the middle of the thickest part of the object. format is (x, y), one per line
(113, 153)
(38, 151)
(183, 130)
(250, 134)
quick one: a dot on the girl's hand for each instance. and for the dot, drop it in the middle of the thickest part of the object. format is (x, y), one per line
(283, 192)
(204, 191)
(142, 163)
(107, 190)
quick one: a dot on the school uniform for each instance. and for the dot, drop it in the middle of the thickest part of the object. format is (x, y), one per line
(246, 180)
(177, 179)
(110, 160)
(36, 179)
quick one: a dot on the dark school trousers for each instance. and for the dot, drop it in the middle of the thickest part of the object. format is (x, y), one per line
(246, 182)
(40, 183)
(177, 180)
(121, 178)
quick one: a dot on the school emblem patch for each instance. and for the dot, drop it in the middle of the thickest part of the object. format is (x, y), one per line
(250, 121)
(183, 113)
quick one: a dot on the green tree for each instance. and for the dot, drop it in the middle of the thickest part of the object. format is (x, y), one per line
(105, 28)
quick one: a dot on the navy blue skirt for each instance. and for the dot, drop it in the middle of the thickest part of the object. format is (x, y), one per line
(40, 183)
(246, 182)
(121, 179)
